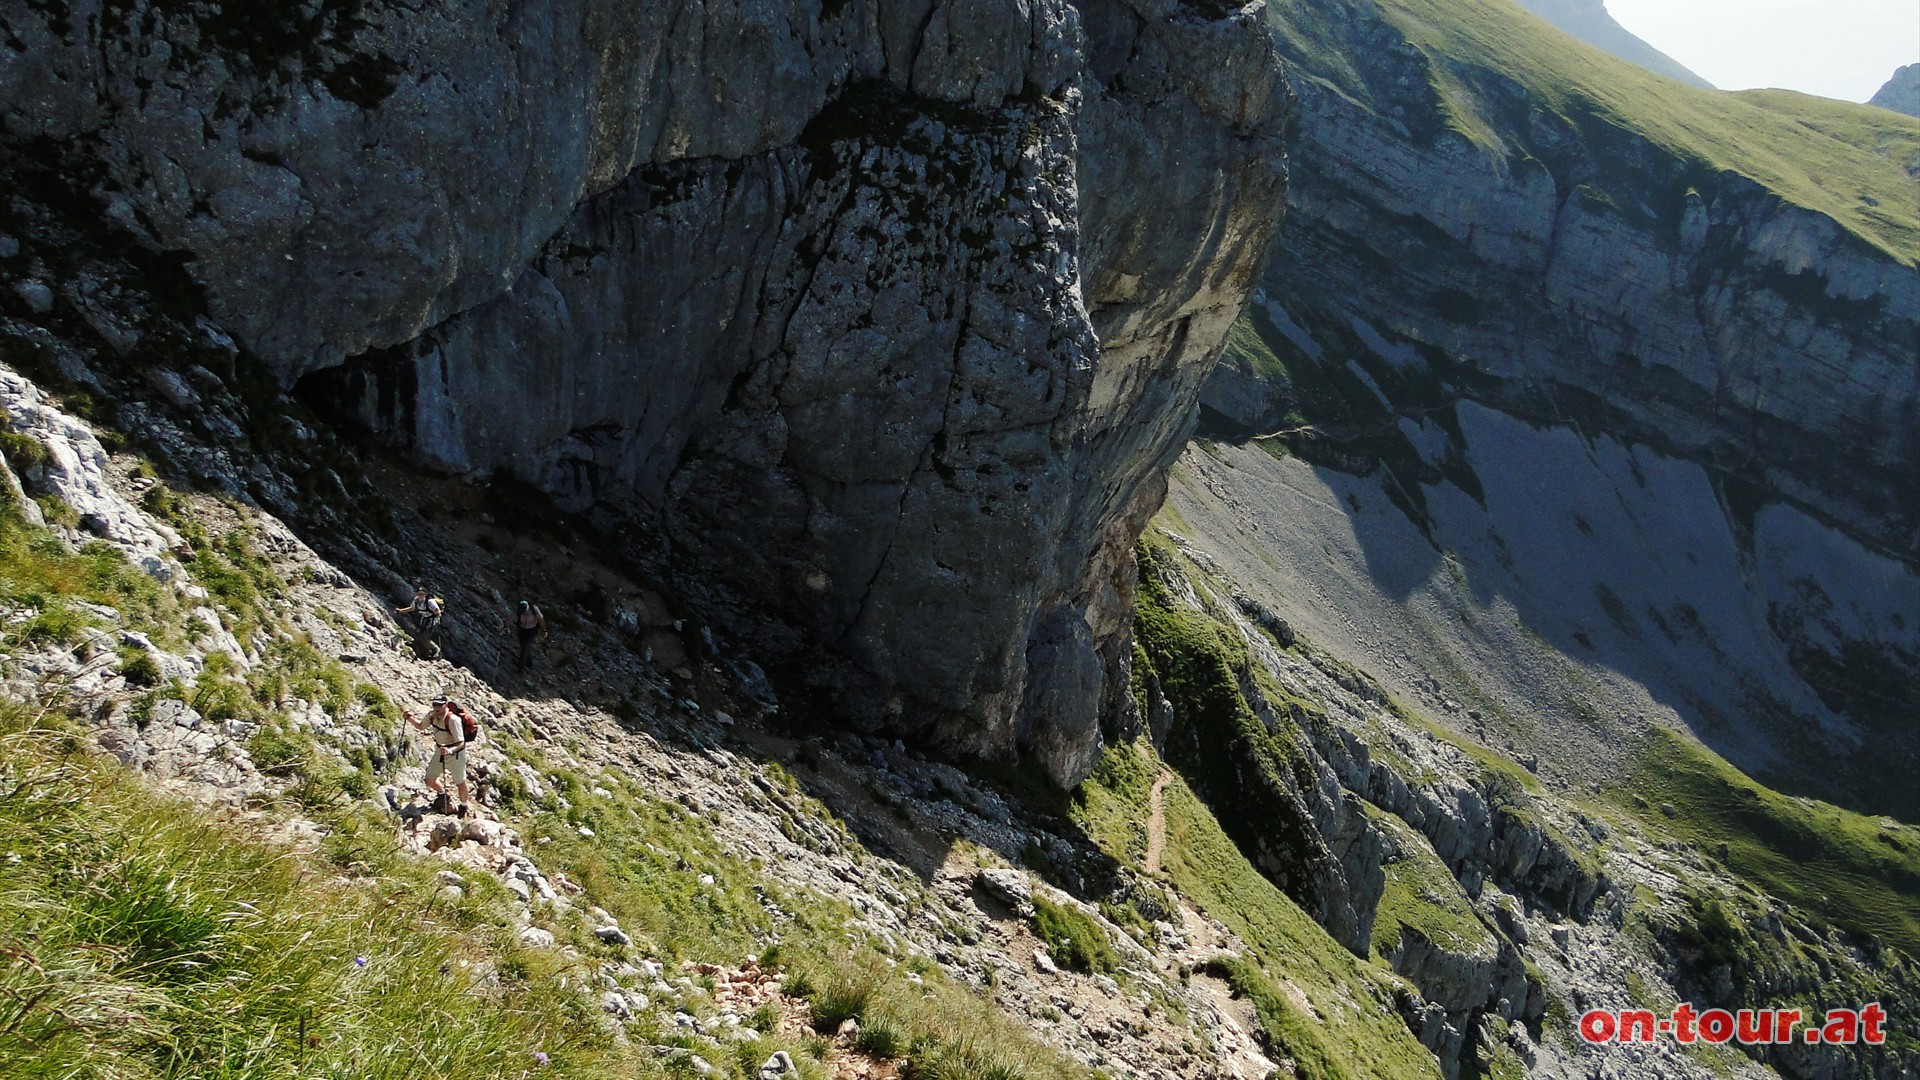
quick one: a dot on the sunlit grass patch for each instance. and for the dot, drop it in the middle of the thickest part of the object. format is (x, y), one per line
(1860, 873)
(139, 937)
(940, 1030)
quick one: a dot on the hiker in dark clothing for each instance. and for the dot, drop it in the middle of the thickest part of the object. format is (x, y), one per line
(528, 622)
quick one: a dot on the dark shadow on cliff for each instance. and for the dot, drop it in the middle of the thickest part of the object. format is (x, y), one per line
(1518, 509)
(1746, 667)
(624, 645)
(142, 365)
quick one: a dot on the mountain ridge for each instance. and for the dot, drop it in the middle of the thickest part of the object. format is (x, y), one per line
(1901, 93)
(1591, 22)
(1509, 430)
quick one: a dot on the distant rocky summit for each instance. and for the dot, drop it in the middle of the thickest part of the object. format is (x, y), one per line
(1591, 22)
(1902, 92)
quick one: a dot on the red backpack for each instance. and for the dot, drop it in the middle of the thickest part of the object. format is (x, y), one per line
(469, 727)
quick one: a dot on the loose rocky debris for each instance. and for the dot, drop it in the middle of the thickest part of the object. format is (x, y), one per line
(643, 700)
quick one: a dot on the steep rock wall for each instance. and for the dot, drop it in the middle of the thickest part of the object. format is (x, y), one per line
(1565, 269)
(882, 318)
(1565, 265)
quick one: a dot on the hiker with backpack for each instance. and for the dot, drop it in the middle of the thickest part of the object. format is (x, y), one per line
(425, 611)
(453, 729)
(528, 621)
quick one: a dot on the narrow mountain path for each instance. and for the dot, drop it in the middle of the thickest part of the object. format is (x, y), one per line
(1156, 822)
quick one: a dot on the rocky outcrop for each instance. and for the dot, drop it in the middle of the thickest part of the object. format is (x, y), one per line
(1464, 994)
(1506, 842)
(1591, 22)
(1727, 952)
(1482, 826)
(875, 323)
(1902, 92)
(65, 462)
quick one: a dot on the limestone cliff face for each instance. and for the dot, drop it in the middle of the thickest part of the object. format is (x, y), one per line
(878, 321)
(1568, 266)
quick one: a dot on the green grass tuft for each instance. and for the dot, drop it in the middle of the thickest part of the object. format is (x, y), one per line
(138, 667)
(842, 992)
(22, 452)
(141, 938)
(881, 1037)
(240, 579)
(39, 573)
(1073, 937)
(280, 751)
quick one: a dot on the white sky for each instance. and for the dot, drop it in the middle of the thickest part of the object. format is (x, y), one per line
(1835, 48)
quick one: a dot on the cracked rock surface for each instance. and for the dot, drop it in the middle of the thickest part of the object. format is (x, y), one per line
(850, 315)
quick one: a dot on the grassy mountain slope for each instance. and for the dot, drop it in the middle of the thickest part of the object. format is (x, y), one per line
(146, 935)
(1860, 873)
(149, 940)
(1850, 162)
(1726, 889)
